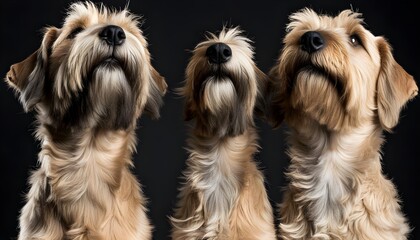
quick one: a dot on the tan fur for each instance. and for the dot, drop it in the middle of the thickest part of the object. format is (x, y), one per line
(337, 101)
(87, 106)
(223, 196)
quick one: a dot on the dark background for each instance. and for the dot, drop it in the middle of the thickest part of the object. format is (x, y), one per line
(172, 29)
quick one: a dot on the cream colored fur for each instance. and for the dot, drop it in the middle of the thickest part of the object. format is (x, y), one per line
(87, 96)
(337, 101)
(223, 195)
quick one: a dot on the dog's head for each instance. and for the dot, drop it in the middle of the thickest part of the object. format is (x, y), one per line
(93, 71)
(223, 84)
(334, 71)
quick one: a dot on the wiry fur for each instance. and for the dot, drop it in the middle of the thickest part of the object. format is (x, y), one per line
(223, 196)
(87, 96)
(337, 101)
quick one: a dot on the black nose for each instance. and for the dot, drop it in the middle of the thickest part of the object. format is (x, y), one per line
(218, 53)
(311, 41)
(113, 35)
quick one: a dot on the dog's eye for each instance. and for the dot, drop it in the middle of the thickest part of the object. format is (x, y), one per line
(75, 32)
(355, 40)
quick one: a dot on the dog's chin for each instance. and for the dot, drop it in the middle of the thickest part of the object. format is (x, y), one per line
(311, 72)
(112, 96)
(212, 82)
(110, 63)
(219, 95)
(221, 109)
(318, 96)
(310, 69)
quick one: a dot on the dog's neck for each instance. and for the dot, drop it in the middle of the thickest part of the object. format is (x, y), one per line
(217, 165)
(85, 160)
(326, 164)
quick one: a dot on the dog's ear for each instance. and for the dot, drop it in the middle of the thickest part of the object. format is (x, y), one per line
(186, 92)
(395, 87)
(189, 111)
(158, 87)
(182, 92)
(17, 77)
(274, 111)
(261, 103)
(28, 76)
(265, 106)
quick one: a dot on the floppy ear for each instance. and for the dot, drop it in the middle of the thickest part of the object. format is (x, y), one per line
(189, 112)
(395, 87)
(261, 103)
(17, 76)
(28, 76)
(267, 106)
(157, 90)
(187, 92)
(273, 94)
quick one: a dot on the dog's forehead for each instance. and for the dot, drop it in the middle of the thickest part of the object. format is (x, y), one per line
(308, 19)
(233, 37)
(227, 36)
(88, 14)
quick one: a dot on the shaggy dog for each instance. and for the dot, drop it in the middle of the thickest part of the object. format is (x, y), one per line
(88, 83)
(338, 87)
(223, 196)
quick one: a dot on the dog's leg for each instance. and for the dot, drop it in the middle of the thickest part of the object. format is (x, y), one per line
(187, 219)
(293, 224)
(127, 216)
(376, 206)
(130, 206)
(37, 219)
(251, 218)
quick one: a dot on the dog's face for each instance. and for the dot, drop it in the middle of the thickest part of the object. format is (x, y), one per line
(222, 84)
(93, 71)
(335, 72)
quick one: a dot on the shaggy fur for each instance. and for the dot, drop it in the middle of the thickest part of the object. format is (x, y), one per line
(87, 95)
(337, 101)
(223, 196)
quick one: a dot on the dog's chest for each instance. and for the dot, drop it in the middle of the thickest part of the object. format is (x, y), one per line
(221, 174)
(94, 163)
(332, 184)
(222, 178)
(329, 175)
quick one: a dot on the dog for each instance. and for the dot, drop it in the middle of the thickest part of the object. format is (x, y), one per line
(88, 83)
(223, 195)
(338, 88)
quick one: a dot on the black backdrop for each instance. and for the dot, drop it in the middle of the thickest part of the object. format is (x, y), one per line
(172, 28)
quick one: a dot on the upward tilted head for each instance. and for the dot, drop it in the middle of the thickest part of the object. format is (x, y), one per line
(334, 71)
(223, 84)
(94, 71)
